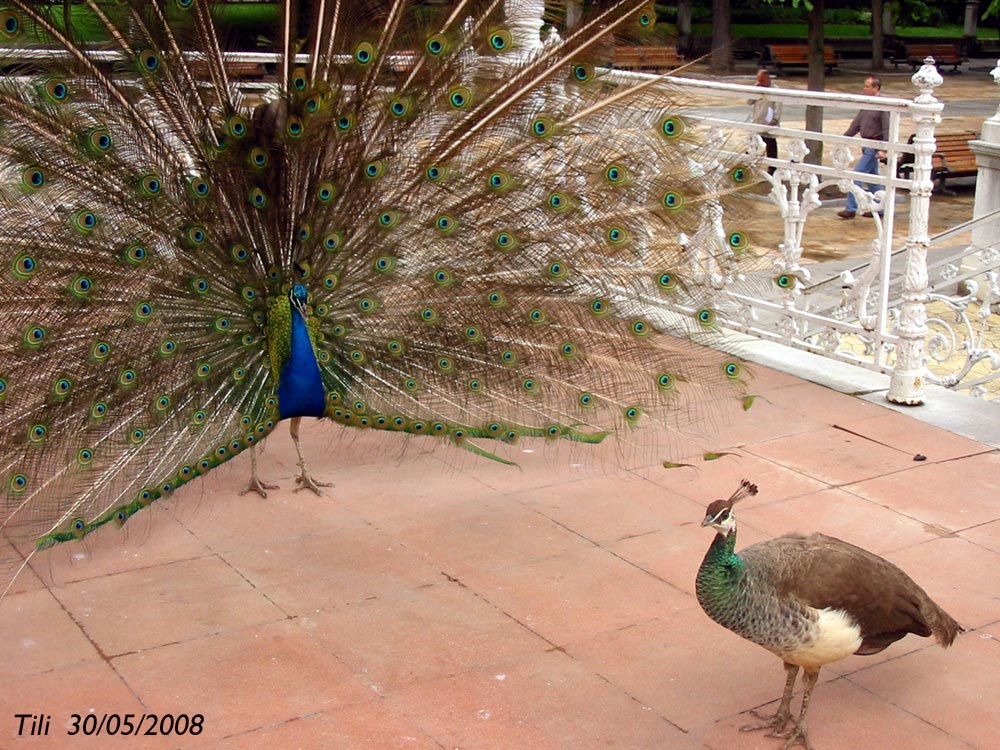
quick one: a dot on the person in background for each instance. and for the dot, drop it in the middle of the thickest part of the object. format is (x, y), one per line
(873, 125)
(766, 112)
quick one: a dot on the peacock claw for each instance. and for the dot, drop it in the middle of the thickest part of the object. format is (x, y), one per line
(255, 485)
(306, 482)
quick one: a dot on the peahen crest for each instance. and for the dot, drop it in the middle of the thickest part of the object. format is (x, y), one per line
(431, 223)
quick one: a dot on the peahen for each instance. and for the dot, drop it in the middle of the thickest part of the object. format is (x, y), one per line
(811, 600)
(431, 223)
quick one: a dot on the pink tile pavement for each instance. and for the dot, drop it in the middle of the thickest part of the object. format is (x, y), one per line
(435, 600)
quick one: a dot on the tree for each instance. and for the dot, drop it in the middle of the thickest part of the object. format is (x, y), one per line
(722, 51)
(816, 80)
(684, 39)
(878, 35)
(817, 77)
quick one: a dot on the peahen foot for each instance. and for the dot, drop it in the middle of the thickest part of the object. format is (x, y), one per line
(797, 736)
(777, 722)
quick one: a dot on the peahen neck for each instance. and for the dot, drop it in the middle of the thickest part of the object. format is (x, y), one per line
(719, 574)
(300, 387)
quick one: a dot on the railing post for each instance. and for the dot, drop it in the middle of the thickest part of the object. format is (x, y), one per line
(987, 151)
(906, 385)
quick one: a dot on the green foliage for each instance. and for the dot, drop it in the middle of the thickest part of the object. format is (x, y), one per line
(86, 27)
(861, 16)
(790, 30)
(834, 31)
(750, 11)
(930, 13)
(795, 3)
(918, 13)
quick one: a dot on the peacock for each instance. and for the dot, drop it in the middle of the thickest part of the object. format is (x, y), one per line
(428, 221)
(811, 600)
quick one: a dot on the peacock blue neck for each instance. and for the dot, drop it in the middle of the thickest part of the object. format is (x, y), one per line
(720, 571)
(300, 387)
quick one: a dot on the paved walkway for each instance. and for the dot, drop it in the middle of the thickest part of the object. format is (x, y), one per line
(438, 601)
(969, 98)
(435, 600)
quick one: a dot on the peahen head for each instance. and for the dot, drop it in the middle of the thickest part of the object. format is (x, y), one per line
(719, 514)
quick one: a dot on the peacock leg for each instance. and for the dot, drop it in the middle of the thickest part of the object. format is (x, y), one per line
(255, 485)
(304, 479)
(798, 735)
(783, 717)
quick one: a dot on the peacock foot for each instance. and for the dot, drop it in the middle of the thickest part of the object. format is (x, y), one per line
(777, 723)
(255, 485)
(306, 482)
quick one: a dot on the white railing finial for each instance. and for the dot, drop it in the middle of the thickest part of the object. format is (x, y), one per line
(926, 80)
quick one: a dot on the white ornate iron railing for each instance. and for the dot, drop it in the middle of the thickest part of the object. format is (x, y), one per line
(800, 312)
(892, 311)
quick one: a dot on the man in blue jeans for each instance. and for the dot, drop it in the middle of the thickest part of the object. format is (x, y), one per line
(874, 126)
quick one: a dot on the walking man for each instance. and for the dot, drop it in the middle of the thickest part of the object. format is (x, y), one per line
(873, 125)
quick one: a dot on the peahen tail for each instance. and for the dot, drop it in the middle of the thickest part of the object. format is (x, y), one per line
(432, 223)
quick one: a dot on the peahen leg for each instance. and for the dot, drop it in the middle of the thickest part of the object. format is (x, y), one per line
(255, 485)
(783, 717)
(798, 735)
(304, 479)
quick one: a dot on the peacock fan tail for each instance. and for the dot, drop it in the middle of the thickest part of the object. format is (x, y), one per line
(430, 226)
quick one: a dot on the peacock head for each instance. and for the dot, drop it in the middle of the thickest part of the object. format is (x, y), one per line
(719, 514)
(299, 297)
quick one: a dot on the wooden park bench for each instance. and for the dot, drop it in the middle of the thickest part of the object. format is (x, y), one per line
(943, 54)
(797, 55)
(240, 70)
(952, 158)
(637, 58)
(35, 60)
